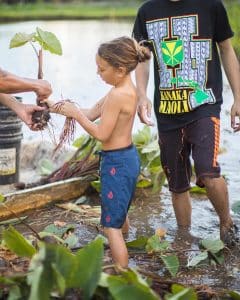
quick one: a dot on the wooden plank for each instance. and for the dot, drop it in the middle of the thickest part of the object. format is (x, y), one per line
(28, 199)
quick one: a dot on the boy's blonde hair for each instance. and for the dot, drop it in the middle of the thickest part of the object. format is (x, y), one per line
(123, 52)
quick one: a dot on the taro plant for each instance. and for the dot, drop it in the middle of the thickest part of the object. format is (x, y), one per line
(152, 173)
(40, 40)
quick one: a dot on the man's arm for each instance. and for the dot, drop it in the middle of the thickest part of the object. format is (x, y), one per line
(144, 104)
(24, 111)
(232, 70)
(10, 83)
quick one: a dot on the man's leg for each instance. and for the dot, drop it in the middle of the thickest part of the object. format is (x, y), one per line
(182, 208)
(217, 193)
(117, 246)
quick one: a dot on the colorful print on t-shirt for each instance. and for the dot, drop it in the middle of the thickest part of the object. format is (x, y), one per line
(182, 59)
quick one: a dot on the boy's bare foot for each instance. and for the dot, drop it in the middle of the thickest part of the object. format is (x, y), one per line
(229, 235)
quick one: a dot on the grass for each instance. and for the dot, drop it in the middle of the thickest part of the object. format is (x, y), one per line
(50, 11)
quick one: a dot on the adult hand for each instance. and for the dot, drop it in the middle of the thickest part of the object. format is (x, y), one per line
(235, 115)
(25, 112)
(43, 89)
(144, 111)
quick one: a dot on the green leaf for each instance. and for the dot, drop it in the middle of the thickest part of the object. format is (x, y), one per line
(49, 41)
(234, 295)
(59, 279)
(181, 293)
(103, 281)
(59, 230)
(212, 246)
(139, 243)
(143, 136)
(88, 268)
(218, 257)
(46, 167)
(144, 183)
(171, 262)
(1, 198)
(151, 147)
(198, 190)
(14, 293)
(71, 240)
(52, 267)
(236, 207)
(154, 244)
(41, 283)
(13, 221)
(130, 285)
(96, 185)
(197, 259)
(17, 243)
(21, 39)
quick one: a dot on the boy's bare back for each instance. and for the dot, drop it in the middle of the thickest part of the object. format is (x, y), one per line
(117, 116)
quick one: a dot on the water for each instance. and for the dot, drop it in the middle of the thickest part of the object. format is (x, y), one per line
(73, 75)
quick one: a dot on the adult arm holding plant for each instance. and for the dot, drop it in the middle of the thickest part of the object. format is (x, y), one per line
(45, 41)
(24, 111)
(10, 83)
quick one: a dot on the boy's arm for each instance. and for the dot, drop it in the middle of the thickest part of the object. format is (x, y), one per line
(144, 104)
(232, 70)
(95, 112)
(109, 116)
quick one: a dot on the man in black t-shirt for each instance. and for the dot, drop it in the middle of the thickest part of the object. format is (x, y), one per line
(185, 37)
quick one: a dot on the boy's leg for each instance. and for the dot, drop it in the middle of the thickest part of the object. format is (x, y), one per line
(125, 227)
(117, 246)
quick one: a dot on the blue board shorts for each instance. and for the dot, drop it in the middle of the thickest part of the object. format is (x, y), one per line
(119, 170)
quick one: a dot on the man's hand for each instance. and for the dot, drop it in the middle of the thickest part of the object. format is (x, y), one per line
(235, 114)
(25, 112)
(144, 111)
(42, 89)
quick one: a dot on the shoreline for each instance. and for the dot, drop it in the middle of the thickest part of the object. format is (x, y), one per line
(103, 10)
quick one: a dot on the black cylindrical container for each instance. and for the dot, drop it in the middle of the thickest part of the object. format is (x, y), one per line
(10, 143)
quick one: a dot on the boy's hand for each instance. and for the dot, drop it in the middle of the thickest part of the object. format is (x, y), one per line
(64, 107)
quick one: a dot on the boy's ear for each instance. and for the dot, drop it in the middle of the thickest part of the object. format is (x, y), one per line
(122, 70)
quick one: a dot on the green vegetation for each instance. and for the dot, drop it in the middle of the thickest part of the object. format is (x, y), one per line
(233, 9)
(95, 10)
(54, 11)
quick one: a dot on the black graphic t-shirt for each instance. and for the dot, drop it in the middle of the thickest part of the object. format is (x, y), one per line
(183, 37)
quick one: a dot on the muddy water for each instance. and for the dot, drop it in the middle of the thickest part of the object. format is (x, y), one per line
(150, 212)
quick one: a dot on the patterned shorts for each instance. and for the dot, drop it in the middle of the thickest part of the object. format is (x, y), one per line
(119, 170)
(198, 141)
